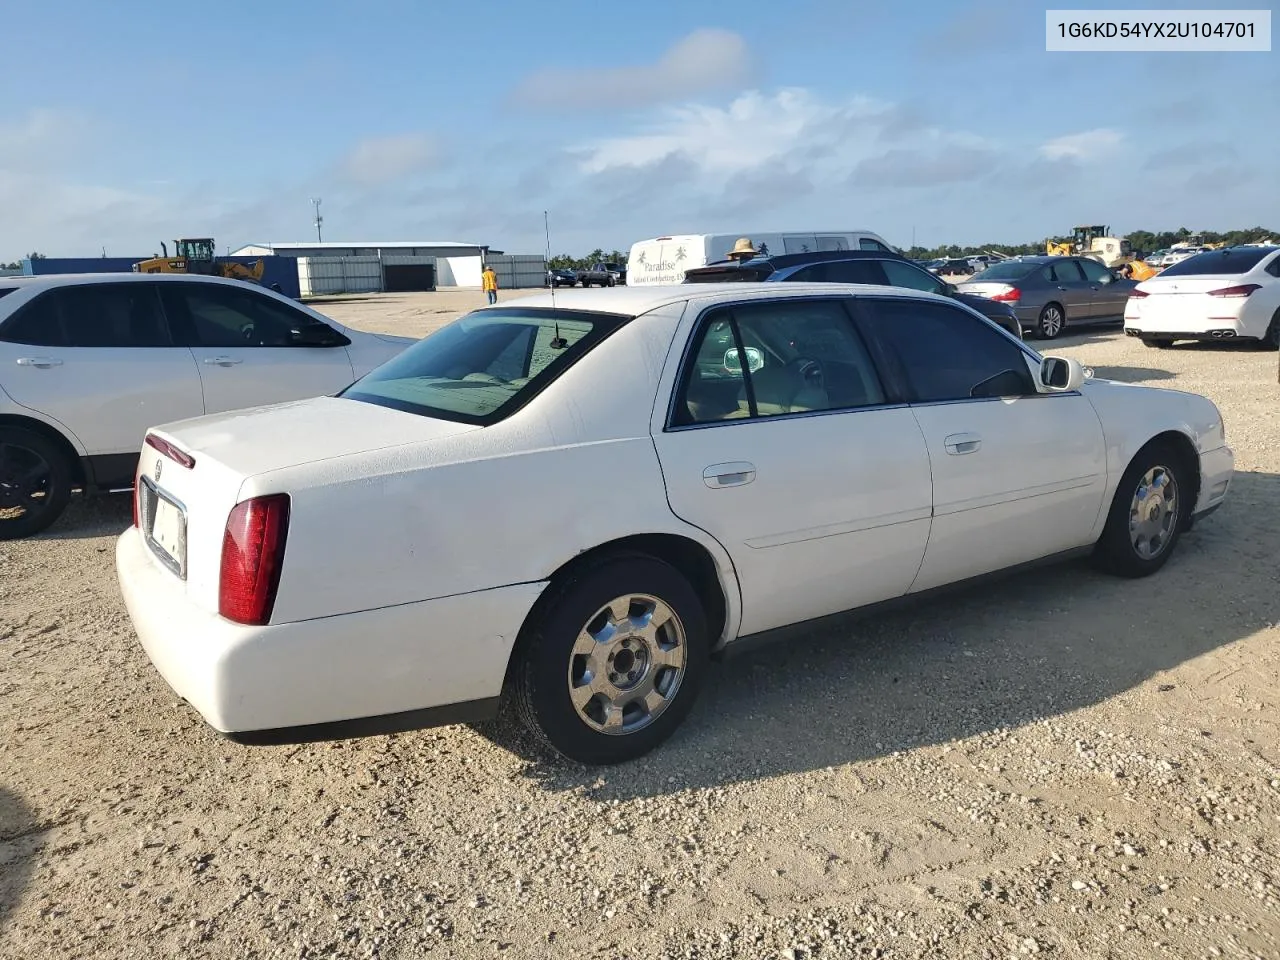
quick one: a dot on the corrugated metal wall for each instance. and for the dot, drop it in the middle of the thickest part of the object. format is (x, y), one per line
(519, 271)
(325, 276)
(319, 276)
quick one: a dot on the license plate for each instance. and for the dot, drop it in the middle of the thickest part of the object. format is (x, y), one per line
(168, 531)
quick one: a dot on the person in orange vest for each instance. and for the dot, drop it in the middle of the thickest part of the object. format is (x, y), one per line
(1138, 270)
(489, 280)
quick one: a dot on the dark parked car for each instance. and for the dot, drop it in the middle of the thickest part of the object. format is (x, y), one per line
(851, 266)
(561, 278)
(955, 266)
(1052, 293)
(603, 275)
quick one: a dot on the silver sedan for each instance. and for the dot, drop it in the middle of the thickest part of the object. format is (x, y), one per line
(1051, 293)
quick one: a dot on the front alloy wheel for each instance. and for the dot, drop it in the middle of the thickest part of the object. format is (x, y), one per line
(1147, 514)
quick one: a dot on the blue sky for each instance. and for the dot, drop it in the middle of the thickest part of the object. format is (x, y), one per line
(127, 124)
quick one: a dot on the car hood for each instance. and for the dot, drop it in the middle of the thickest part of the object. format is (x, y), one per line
(260, 439)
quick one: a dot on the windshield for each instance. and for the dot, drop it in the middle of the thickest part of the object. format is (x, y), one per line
(483, 367)
(1010, 270)
(1219, 262)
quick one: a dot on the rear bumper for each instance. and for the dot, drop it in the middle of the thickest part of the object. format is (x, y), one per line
(1217, 467)
(1221, 330)
(414, 665)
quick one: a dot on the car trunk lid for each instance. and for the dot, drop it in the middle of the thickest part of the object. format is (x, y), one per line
(191, 473)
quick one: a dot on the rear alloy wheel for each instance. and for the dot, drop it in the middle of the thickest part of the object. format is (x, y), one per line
(35, 483)
(1051, 321)
(1147, 515)
(613, 661)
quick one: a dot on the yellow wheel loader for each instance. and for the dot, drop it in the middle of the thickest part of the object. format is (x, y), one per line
(197, 256)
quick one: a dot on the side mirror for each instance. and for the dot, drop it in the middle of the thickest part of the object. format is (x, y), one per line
(755, 359)
(1063, 373)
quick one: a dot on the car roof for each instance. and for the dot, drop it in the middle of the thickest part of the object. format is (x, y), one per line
(822, 256)
(634, 301)
(70, 279)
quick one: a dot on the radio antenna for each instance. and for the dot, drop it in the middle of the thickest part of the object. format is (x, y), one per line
(546, 230)
(559, 343)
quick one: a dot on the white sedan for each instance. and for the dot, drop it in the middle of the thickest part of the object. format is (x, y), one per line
(575, 500)
(1230, 294)
(89, 362)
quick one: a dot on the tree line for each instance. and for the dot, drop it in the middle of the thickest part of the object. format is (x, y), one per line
(17, 264)
(1144, 241)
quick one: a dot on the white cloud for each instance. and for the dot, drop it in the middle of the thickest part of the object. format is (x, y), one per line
(1082, 146)
(380, 160)
(703, 61)
(794, 129)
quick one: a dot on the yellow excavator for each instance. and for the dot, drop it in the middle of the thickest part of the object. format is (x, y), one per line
(197, 256)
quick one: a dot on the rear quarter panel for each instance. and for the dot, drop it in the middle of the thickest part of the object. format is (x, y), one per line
(507, 504)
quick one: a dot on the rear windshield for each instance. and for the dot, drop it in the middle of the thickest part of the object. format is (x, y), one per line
(483, 367)
(727, 274)
(1002, 271)
(1219, 262)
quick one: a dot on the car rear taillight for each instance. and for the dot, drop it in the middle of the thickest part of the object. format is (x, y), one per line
(169, 450)
(1138, 294)
(1243, 290)
(252, 556)
(1012, 295)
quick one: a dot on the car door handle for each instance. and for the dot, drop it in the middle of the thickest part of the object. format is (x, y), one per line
(222, 361)
(1062, 288)
(43, 363)
(720, 475)
(962, 443)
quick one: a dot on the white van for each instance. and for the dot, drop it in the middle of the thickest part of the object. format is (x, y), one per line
(665, 259)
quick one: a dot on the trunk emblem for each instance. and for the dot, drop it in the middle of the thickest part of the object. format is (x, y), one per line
(159, 467)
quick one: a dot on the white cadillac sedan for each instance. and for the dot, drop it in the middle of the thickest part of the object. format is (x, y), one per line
(577, 499)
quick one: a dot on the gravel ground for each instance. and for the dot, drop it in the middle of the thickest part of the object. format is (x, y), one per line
(1061, 764)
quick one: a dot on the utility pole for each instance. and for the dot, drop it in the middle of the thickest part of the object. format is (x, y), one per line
(315, 202)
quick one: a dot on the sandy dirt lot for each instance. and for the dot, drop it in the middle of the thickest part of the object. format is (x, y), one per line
(1061, 764)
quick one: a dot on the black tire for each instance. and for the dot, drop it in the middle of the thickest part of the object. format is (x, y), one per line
(613, 282)
(1115, 551)
(1271, 339)
(1044, 323)
(540, 679)
(29, 504)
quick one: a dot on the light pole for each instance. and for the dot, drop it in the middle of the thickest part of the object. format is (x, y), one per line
(315, 202)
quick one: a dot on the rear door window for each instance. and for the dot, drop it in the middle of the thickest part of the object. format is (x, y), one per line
(112, 315)
(221, 316)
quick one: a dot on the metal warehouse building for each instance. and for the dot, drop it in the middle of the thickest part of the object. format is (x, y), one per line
(457, 264)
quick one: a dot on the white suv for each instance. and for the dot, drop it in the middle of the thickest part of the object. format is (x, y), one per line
(89, 362)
